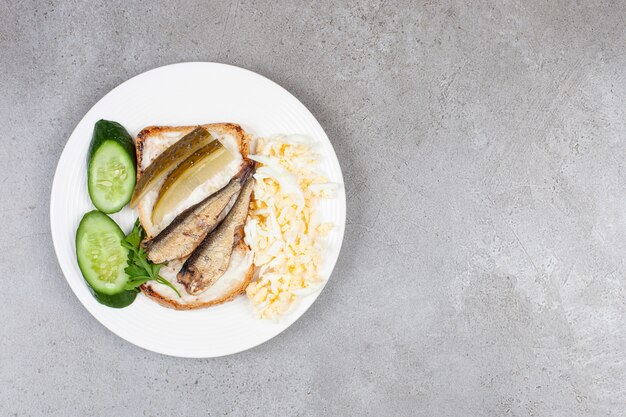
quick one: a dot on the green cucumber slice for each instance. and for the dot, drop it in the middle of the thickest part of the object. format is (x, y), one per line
(111, 167)
(100, 254)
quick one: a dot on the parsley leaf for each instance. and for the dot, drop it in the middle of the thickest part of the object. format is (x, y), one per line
(140, 270)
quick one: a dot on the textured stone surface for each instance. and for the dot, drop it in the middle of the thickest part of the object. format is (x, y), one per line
(483, 148)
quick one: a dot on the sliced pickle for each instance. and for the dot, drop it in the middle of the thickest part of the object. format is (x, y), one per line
(186, 177)
(169, 160)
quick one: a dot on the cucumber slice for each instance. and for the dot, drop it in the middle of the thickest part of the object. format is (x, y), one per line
(101, 256)
(111, 167)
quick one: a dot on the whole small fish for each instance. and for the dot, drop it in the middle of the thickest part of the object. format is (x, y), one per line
(210, 260)
(190, 227)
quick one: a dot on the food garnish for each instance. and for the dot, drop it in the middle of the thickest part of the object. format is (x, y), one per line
(111, 167)
(284, 230)
(140, 270)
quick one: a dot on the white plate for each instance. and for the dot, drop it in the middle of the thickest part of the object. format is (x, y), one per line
(187, 94)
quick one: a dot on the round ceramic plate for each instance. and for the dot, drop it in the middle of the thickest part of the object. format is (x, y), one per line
(187, 94)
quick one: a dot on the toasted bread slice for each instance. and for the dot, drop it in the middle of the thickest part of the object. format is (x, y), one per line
(150, 142)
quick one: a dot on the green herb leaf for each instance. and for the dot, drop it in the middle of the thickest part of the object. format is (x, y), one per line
(163, 281)
(140, 270)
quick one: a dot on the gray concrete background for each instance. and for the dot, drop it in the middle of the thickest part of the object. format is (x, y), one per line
(483, 147)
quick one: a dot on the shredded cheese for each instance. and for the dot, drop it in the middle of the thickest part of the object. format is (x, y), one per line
(283, 228)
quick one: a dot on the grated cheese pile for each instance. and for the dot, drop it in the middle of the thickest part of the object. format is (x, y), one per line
(283, 229)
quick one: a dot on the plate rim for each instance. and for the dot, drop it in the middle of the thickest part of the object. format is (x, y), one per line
(56, 180)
